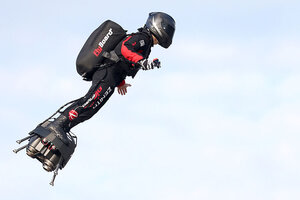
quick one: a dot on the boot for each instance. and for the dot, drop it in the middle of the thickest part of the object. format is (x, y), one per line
(60, 127)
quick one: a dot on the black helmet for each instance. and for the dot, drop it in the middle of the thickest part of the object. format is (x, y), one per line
(162, 26)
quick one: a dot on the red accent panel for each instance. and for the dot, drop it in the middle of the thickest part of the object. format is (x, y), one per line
(72, 115)
(97, 93)
(122, 83)
(129, 55)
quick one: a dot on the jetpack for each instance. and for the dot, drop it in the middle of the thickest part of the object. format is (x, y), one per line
(100, 45)
(47, 147)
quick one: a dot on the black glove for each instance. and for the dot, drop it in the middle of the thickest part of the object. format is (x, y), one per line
(146, 65)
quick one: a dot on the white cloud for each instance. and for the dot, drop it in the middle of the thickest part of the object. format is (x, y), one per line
(289, 89)
(212, 82)
(41, 82)
(287, 53)
(203, 50)
(263, 54)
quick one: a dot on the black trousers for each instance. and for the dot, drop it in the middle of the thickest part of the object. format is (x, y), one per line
(103, 86)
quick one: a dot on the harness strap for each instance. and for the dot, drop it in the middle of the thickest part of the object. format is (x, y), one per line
(111, 56)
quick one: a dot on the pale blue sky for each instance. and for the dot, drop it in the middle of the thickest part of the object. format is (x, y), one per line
(219, 120)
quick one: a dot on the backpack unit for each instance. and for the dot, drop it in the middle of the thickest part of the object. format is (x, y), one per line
(100, 43)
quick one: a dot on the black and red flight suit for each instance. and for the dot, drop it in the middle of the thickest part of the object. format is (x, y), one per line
(131, 50)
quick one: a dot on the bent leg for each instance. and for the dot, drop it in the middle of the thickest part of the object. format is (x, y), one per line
(101, 90)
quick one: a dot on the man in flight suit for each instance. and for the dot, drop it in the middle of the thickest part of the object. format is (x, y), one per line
(133, 52)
